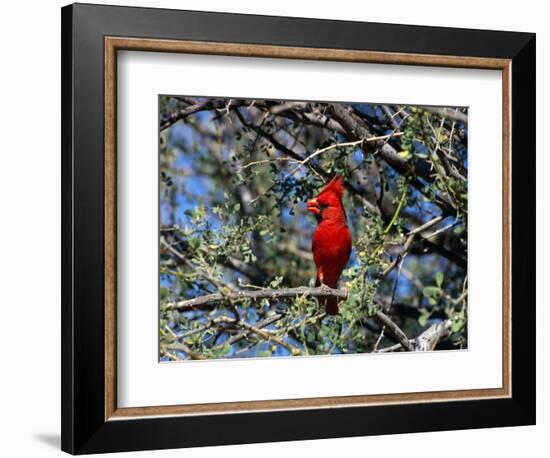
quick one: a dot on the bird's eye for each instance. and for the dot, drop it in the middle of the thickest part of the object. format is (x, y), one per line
(323, 206)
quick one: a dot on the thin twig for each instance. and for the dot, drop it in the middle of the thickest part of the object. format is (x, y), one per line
(184, 348)
(269, 161)
(439, 231)
(380, 337)
(407, 245)
(425, 226)
(395, 330)
(242, 334)
(269, 336)
(342, 145)
(219, 284)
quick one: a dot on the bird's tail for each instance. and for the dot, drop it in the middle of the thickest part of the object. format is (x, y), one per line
(330, 303)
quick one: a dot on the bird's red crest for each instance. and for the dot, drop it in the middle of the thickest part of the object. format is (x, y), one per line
(336, 185)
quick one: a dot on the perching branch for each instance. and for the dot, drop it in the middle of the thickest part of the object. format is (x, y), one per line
(303, 291)
(254, 295)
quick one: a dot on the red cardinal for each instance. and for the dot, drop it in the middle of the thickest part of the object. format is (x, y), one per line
(332, 240)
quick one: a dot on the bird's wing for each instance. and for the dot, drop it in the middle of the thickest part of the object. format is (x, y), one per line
(315, 242)
(349, 242)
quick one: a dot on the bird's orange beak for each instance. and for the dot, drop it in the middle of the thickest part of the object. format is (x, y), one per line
(313, 206)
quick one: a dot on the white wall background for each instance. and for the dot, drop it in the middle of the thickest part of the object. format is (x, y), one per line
(30, 226)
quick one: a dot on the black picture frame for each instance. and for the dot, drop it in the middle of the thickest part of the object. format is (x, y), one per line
(84, 427)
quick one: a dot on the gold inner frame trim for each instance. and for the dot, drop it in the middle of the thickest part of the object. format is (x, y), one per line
(114, 44)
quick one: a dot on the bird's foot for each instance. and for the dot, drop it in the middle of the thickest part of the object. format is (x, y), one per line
(325, 287)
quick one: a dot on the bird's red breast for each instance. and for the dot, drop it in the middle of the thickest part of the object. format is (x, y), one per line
(332, 242)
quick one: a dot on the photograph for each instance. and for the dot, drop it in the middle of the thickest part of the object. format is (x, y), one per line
(270, 219)
(276, 227)
(308, 228)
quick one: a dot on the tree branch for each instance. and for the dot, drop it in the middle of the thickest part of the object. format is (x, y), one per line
(431, 336)
(385, 320)
(456, 116)
(207, 105)
(185, 349)
(371, 208)
(254, 295)
(266, 293)
(356, 129)
(427, 340)
(260, 324)
(408, 244)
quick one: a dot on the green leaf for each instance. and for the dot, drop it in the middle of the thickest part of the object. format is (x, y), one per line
(439, 278)
(431, 291)
(404, 154)
(458, 230)
(423, 319)
(457, 324)
(225, 349)
(195, 242)
(276, 282)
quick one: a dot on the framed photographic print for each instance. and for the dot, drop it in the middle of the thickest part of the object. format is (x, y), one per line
(282, 228)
